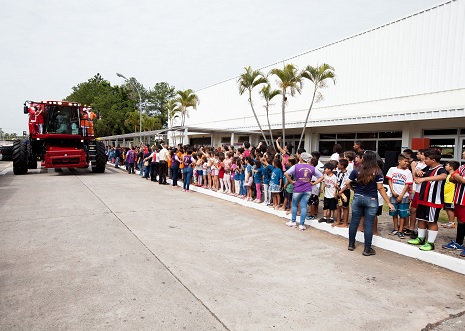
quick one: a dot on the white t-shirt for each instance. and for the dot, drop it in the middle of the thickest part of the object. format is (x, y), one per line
(350, 167)
(330, 185)
(420, 165)
(335, 157)
(399, 178)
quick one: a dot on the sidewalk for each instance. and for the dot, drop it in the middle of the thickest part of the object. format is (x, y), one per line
(448, 259)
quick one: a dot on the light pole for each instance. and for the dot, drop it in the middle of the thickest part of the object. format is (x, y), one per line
(140, 104)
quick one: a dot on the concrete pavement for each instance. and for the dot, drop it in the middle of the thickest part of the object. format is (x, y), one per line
(115, 251)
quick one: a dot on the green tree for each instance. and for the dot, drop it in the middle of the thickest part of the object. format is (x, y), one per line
(247, 82)
(185, 100)
(288, 79)
(157, 99)
(267, 94)
(318, 76)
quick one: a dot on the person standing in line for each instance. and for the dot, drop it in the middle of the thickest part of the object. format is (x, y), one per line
(130, 159)
(358, 149)
(163, 164)
(337, 152)
(117, 156)
(302, 181)
(417, 171)
(400, 179)
(430, 200)
(449, 189)
(329, 184)
(187, 160)
(366, 180)
(458, 178)
(175, 161)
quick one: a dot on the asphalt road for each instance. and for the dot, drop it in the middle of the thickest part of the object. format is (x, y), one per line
(82, 251)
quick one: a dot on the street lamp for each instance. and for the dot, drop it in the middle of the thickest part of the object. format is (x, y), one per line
(140, 103)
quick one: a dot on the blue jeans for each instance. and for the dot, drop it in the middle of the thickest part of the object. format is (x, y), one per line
(187, 177)
(116, 162)
(242, 190)
(141, 167)
(146, 171)
(363, 206)
(302, 198)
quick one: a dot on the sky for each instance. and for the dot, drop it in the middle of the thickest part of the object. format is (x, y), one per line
(49, 46)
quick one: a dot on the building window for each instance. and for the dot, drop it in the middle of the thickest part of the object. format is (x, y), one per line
(445, 145)
(441, 132)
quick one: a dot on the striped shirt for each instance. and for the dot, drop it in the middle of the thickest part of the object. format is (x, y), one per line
(432, 191)
(459, 196)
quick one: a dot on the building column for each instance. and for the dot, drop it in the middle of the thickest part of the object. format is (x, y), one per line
(232, 139)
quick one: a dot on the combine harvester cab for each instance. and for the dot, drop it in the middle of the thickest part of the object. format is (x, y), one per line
(61, 135)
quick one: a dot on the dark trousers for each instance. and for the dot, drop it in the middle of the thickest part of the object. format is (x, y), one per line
(163, 172)
(154, 171)
(175, 173)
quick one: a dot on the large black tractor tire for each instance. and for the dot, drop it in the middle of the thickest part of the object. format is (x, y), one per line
(100, 158)
(7, 153)
(20, 157)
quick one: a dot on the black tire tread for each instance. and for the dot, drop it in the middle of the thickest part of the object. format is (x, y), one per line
(20, 157)
(100, 158)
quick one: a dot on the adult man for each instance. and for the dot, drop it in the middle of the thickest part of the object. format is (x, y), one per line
(163, 155)
(300, 175)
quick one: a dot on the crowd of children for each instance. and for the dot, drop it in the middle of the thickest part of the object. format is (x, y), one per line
(419, 187)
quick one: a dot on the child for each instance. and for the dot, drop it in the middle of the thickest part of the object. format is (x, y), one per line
(416, 172)
(258, 180)
(267, 169)
(289, 187)
(315, 195)
(227, 173)
(240, 168)
(204, 171)
(458, 177)
(199, 168)
(430, 200)
(400, 178)
(343, 194)
(215, 172)
(349, 156)
(248, 178)
(329, 186)
(449, 188)
(221, 173)
(276, 183)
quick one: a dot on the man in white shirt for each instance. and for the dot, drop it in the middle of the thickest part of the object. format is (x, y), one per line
(163, 155)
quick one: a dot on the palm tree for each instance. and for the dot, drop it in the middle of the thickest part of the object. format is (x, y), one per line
(318, 77)
(267, 93)
(173, 114)
(290, 79)
(247, 81)
(185, 100)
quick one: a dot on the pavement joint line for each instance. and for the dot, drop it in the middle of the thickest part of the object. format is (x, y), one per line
(438, 259)
(159, 260)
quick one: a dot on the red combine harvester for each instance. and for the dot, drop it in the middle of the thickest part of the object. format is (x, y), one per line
(61, 135)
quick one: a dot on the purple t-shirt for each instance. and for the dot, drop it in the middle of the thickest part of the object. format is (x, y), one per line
(303, 173)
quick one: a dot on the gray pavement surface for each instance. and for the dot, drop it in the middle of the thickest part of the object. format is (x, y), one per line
(112, 251)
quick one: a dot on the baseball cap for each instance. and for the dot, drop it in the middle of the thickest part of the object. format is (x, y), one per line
(306, 157)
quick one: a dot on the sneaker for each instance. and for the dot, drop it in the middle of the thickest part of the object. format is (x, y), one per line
(351, 246)
(369, 251)
(302, 227)
(291, 224)
(393, 232)
(462, 254)
(322, 220)
(310, 217)
(414, 234)
(400, 235)
(417, 241)
(408, 232)
(453, 245)
(427, 246)
(330, 220)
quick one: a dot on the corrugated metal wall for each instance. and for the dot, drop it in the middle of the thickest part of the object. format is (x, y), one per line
(417, 55)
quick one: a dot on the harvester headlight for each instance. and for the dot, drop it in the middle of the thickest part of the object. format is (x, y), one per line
(59, 102)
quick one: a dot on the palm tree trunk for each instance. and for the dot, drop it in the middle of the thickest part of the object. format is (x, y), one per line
(306, 119)
(283, 116)
(269, 126)
(256, 118)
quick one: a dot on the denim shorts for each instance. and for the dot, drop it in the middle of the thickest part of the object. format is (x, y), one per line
(402, 210)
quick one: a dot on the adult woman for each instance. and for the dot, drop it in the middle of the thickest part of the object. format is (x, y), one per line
(366, 181)
(300, 175)
(187, 161)
(175, 161)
